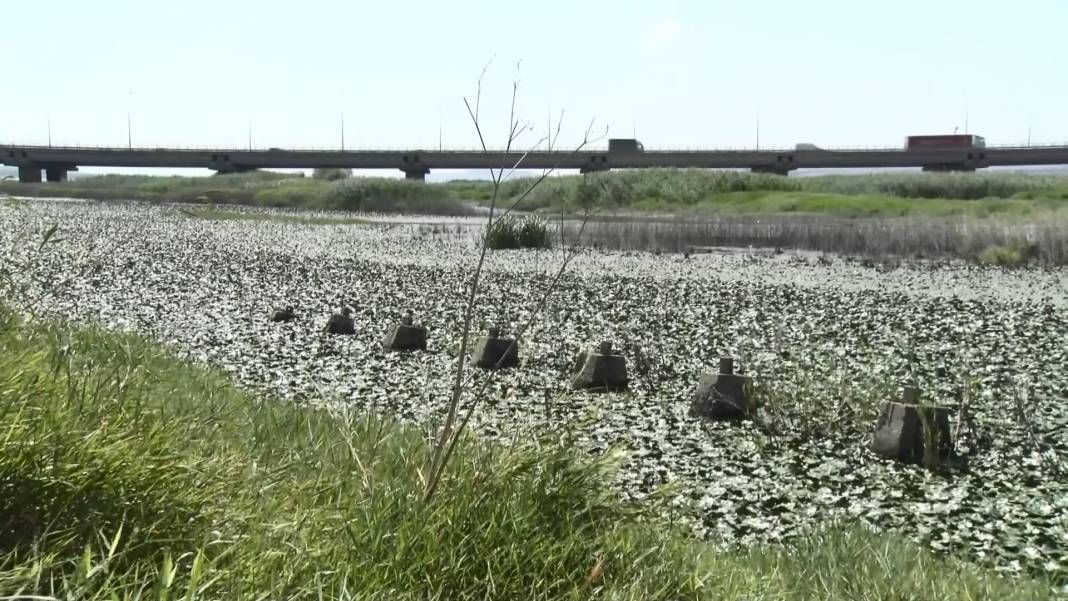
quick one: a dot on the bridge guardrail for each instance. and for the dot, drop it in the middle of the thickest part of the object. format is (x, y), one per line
(658, 150)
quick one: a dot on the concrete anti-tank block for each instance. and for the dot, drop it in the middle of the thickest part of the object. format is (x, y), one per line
(406, 336)
(494, 352)
(722, 395)
(341, 323)
(282, 315)
(900, 430)
(601, 370)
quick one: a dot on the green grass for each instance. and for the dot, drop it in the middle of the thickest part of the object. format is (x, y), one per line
(866, 205)
(476, 190)
(661, 190)
(1007, 255)
(511, 233)
(217, 214)
(128, 473)
(259, 188)
(886, 195)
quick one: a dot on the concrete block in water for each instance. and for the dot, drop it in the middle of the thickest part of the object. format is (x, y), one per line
(723, 395)
(283, 315)
(406, 336)
(601, 370)
(341, 323)
(905, 427)
(494, 352)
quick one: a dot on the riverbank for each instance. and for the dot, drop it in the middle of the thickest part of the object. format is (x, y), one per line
(652, 191)
(1001, 219)
(259, 189)
(128, 468)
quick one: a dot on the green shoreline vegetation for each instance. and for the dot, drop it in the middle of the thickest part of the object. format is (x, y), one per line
(218, 214)
(126, 472)
(688, 191)
(737, 193)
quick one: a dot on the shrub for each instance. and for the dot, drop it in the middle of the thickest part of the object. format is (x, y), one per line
(503, 234)
(1008, 255)
(509, 233)
(381, 195)
(534, 233)
(331, 174)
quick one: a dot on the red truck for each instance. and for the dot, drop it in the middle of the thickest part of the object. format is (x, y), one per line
(944, 141)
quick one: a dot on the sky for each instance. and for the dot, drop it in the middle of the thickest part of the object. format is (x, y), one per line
(677, 74)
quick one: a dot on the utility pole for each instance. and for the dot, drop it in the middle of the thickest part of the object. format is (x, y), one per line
(129, 129)
(342, 123)
(965, 112)
(49, 117)
(758, 132)
(250, 132)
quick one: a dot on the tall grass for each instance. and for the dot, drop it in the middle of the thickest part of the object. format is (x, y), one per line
(511, 233)
(260, 188)
(962, 237)
(127, 473)
(379, 195)
(682, 188)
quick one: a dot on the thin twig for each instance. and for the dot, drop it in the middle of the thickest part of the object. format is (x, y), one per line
(457, 391)
(436, 475)
(446, 443)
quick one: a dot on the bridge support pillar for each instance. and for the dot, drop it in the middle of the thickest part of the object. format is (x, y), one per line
(416, 173)
(55, 174)
(30, 175)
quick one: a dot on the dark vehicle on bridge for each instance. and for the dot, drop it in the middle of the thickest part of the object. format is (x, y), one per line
(624, 145)
(944, 141)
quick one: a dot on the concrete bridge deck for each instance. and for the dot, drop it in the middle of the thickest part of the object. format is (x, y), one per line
(55, 162)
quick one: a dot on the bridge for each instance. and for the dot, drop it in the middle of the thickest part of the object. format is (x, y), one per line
(56, 162)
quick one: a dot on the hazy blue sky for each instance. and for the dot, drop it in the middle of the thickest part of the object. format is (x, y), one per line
(679, 73)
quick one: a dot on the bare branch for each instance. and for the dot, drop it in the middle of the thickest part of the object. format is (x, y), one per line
(450, 436)
(474, 119)
(587, 140)
(481, 76)
(436, 474)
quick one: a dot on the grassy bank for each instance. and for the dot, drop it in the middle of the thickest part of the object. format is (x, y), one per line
(650, 190)
(258, 188)
(128, 473)
(732, 192)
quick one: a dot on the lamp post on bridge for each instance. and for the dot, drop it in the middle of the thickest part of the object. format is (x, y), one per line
(342, 123)
(129, 128)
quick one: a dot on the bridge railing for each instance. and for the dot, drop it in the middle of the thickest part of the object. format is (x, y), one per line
(454, 150)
